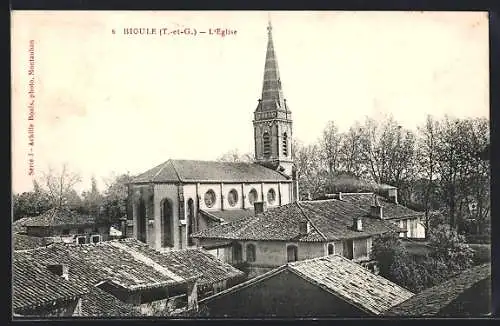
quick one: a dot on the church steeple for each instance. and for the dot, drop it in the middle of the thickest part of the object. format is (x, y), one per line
(272, 91)
(272, 117)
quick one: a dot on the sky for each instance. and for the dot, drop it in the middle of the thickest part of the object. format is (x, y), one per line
(108, 103)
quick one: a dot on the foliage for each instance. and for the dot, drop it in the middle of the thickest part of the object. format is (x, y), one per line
(235, 156)
(438, 167)
(59, 186)
(395, 263)
(449, 255)
(450, 247)
(31, 203)
(92, 200)
(114, 201)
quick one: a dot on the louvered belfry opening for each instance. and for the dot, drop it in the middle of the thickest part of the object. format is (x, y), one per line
(267, 144)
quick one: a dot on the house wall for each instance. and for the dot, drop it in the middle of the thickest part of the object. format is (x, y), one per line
(474, 302)
(283, 295)
(166, 192)
(418, 230)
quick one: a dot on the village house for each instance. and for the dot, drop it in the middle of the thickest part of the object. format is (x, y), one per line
(330, 286)
(296, 231)
(155, 284)
(180, 197)
(468, 294)
(46, 291)
(36, 291)
(411, 222)
(59, 225)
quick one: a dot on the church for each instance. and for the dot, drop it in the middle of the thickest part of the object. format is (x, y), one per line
(177, 198)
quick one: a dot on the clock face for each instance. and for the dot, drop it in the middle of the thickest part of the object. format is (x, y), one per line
(210, 198)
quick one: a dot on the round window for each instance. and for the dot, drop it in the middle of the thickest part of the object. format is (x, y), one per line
(210, 198)
(271, 196)
(232, 197)
(252, 196)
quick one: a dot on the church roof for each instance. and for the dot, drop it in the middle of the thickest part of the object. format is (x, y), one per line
(211, 171)
(272, 92)
(330, 220)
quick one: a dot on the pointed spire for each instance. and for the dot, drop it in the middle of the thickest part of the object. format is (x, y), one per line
(272, 93)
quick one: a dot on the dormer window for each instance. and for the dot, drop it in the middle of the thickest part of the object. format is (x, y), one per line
(81, 240)
(95, 238)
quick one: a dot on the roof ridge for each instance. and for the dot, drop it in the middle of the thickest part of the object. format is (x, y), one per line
(247, 283)
(175, 170)
(148, 261)
(309, 220)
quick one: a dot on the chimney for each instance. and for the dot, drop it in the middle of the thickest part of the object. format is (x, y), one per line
(304, 227)
(123, 227)
(59, 270)
(393, 195)
(376, 210)
(357, 224)
(259, 207)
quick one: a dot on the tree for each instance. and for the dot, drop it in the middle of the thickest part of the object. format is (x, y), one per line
(31, 203)
(234, 156)
(450, 248)
(350, 151)
(311, 175)
(59, 186)
(395, 263)
(330, 145)
(427, 163)
(114, 201)
(92, 200)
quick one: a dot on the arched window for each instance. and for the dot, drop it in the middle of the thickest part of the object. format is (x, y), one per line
(292, 253)
(285, 144)
(250, 253)
(331, 249)
(271, 196)
(267, 144)
(232, 197)
(166, 221)
(252, 196)
(237, 253)
(192, 226)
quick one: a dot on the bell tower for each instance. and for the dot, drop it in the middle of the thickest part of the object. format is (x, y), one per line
(272, 118)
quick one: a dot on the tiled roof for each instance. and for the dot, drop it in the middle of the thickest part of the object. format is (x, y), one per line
(193, 171)
(352, 282)
(34, 285)
(114, 261)
(432, 300)
(99, 303)
(25, 242)
(18, 225)
(272, 92)
(54, 217)
(390, 210)
(329, 219)
(342, 278)
(228, 215)
(193, 261)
